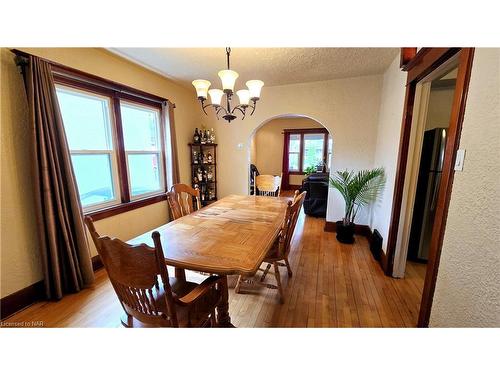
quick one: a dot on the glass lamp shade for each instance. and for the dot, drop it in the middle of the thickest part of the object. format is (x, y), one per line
(201, 86)
(215, 96)
(254, 86)
(244, 96)
(228, 78)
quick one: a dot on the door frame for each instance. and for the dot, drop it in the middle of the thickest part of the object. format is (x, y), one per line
(423, 63)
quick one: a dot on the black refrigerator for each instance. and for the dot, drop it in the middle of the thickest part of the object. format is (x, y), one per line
(424, 208)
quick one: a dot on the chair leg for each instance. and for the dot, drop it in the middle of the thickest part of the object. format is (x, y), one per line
(268, 267)
(213, 320)
(278, 280)
(238, 284)
(288, 267)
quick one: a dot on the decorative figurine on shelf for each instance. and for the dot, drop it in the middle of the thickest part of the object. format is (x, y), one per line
(210, 159)
(205, 177)
(204, 158)
(196, 137)
(195, 157)
(195, 180)
(196, 186)
(199, 174)
(212, 135)
(210, 174)
(211, 194)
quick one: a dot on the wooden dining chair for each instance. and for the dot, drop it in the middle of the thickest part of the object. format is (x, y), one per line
(267, 185)
(278, 254)
(181, 198)
(149, 297)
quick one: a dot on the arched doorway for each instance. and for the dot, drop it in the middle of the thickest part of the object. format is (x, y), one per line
(291, 145)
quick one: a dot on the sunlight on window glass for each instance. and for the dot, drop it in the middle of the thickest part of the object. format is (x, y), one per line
(330, 150)
(140, 128)
(293, 162)
(294, 143)
(144, 173)
(95, 187)
(86, 120)
(313, 150)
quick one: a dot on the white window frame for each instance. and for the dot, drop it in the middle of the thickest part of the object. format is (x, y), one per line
(112, 153)
(294, 152)
(158, 152)
(304, 148)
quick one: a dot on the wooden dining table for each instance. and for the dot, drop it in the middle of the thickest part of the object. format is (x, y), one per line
(228, 237)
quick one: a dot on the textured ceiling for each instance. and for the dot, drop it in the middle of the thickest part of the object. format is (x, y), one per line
(274, 66)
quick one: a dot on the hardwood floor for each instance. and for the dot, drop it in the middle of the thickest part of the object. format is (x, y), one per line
(333, 285)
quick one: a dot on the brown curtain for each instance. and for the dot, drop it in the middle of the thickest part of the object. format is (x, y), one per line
(64, 249)
(171, 143)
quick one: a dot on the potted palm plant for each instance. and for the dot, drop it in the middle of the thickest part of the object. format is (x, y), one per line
(358, 190)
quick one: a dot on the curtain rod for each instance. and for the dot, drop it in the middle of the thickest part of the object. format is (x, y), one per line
(22, 60)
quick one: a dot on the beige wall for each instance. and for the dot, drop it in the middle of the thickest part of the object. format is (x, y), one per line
(439, 110)
(387, 143)
(348, 108)
(19, 255)
(269, 141)
(468, 282)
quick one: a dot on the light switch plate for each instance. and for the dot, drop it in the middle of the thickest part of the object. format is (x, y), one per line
(459, 161)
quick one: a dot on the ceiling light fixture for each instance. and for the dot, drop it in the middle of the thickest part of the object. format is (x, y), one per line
(228, 78)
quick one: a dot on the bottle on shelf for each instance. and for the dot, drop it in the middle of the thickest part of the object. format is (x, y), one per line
(205, 176)
(195, 157)
(210, 174)
(208, 136)
(203, 136)
(212, 135)
(210, 159)
(196, 137)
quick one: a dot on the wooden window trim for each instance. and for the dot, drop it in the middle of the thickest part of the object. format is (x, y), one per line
(73, 78)
(286, 153)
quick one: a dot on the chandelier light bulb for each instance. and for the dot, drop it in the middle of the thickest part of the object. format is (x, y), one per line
(228, 78)
(243, 96)
(254, 86)
(201, 86)
(216, 96)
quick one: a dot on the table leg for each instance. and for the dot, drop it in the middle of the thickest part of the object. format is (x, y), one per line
(180, 274)
(223, 318)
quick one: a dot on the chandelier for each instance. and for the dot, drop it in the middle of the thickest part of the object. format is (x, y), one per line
(228, 78)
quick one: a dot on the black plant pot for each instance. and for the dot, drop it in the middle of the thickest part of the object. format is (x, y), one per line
(345, 233)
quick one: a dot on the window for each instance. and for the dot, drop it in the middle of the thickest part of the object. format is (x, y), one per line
(294, 153)
(142, 141)
(314, 146)
(329, 154)
(87, 121)
(116, 145)
(307, 148)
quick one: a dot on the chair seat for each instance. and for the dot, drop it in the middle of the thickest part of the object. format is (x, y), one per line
(194, 315)
(273, 253)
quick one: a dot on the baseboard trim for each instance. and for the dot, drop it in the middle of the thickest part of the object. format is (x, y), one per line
(96, 263)
(17, 301)
(362, 230)
(21, 299)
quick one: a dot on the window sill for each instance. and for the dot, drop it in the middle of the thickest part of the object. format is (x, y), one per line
(125, 207)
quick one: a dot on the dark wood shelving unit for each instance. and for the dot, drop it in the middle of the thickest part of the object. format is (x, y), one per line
(207, 187)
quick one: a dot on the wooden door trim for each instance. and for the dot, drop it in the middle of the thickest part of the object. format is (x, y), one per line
(424, 62)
